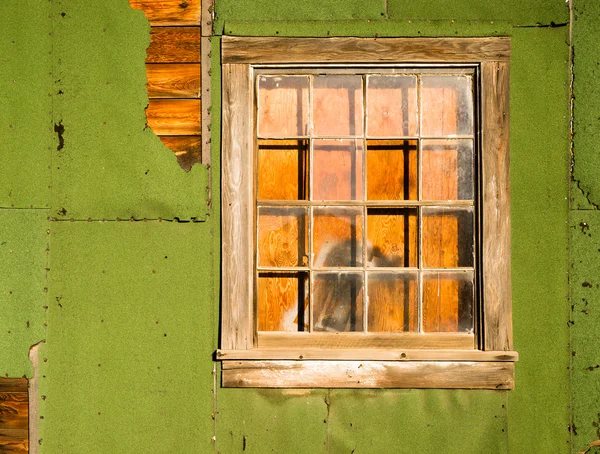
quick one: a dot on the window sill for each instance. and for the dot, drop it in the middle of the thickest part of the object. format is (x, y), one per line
(367, 368)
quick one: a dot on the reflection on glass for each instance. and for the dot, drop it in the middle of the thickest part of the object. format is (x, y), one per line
(447, 237)
(283, 106)
(447, 169)
(392, 170)
(391, 106)
(338, 106)
(337, 171)
(282, 170)
(282, 237)
(337, 237)
(393, 302)
(338, 302)
(447, 105)
(448, 302)
(282, 302)
(392, 237)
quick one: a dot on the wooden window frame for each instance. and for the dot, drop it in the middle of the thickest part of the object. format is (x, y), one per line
(355, 360)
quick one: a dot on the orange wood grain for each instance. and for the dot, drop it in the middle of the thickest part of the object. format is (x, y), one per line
(332, 227)
(337, 170)
(14, 411)
(283, 106)
(338, 106)
(279, 297)
(174, 116)
(14, 415)
(440, 240)
(394, 232)
(282, 237)
(392, 106)
(393, 303)
(174, 45)
(173, 80)
(386, 166)
(169, 12)
(188, 149)
(282, 170)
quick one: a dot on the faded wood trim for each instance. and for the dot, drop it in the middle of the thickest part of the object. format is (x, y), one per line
(205, 52)
(169, 12)
(258, 50)
(174, 45)
(173, 80)
(438, 341)
(208, 6)
(368, 374)
(365, 354)
(174, 116)
(186, 148)
(237, 195)
(496, 207)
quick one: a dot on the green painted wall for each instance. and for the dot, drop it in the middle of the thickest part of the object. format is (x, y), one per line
(109, 252)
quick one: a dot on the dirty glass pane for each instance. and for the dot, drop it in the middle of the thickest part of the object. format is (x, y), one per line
(447, 105)
(337, 237)
(447, 237)
(337, 106)
(282, 301)
(282, 170)
(282, 237)
(337, 170)
(338, 302)
(448, 302)
(393, 302)
(283, 106)
(392, 237)
(391, 106)
(447, 169)
(392, 170)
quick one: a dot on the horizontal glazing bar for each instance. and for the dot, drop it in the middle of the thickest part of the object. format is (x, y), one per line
(370, 203)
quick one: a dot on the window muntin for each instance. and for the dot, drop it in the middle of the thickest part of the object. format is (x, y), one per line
(371, 171)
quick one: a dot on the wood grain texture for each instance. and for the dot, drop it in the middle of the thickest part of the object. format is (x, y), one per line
(363, 50)
(13, 441)
(14, 415)
(368, 374)
(13, 385)
(187, 149)
(14, 411)
(207, 9)
(237, 208)
(496, 207)
(435, 341)
(364, 354)
(169, 12)
(173, 80)
(174, 116)
(174, 45)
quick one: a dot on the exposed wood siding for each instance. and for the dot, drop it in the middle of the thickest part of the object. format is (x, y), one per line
(175, 76)
(14, 415)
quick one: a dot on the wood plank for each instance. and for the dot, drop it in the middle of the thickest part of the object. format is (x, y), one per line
(205, 50)
(363, 50)
(237, 207)
(436, 341)
(14, 441)
(365, 354)
(208, 8)
(186, 148)
(174, 45)
(497, 293)
(13, 385)
(368, 374)
(174, 116)
(173, 80)
(14, 414)
(169, 12)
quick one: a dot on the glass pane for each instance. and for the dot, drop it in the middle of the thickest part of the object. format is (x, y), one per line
(337, 171)
(391, 106)
(337, 237)
(283, 106)
(448, 302)
(392, 237)
(447, 169)
(282, 170)
(338, 302)
(338, 106)
(447, 105)
(391, 169)
(282, 237)
(393, 302)
(283, 302)
(447, 237)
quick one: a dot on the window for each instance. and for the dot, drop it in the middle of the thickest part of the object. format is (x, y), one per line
(365, 200)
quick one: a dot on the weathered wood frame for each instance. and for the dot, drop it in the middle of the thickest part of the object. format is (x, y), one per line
(382, 363)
